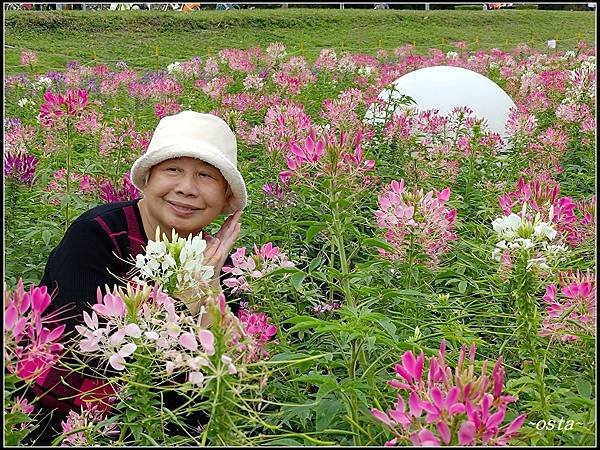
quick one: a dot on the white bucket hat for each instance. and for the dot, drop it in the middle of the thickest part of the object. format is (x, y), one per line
(196, 135)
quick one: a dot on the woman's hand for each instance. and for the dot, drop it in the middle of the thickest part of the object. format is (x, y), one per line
(218, 247)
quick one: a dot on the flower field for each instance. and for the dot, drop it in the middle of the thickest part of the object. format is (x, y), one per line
(422, 281)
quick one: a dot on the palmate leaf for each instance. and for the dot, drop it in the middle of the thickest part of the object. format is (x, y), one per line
(14, 437)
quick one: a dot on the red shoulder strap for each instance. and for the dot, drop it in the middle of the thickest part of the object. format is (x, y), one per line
(136, 238)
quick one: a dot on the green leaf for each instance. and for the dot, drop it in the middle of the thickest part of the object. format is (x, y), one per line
(152, 441)
(46, 235)
(287, 356)
(312, 231)
(315, 263)
(327, 410)
(14, 438)
(297, 279)
(462, 287)
(379, 243)
(584, 387)
(389, 327)
(16, 418)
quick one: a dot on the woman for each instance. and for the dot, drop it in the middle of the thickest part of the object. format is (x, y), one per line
(188, 177)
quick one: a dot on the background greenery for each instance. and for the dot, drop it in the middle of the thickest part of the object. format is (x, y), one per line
(134, 36)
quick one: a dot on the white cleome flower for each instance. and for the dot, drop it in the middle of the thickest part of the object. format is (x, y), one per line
(544, 229)
(175, 67)
(507, 226)
(554, 249)
(538, 262)
(523, 243)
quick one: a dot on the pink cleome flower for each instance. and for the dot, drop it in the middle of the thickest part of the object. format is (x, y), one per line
(448, 407)
(31, 347)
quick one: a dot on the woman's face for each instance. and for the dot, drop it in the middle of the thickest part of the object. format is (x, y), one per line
(183, 193)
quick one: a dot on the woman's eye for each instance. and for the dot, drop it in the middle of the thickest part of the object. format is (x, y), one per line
(172, 169)
(204, 174)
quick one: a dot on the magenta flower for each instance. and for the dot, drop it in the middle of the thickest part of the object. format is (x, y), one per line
(574, 312)
(31, 348)
(263, 261)
(310, 152)
(258, 327)
(20, 167)
(127, 191)
(76, 100)
(459, 409)
(56, 106)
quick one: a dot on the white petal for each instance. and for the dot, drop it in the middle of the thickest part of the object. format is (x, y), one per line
(127, 349)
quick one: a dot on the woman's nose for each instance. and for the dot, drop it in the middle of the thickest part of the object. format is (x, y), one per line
(187, 185)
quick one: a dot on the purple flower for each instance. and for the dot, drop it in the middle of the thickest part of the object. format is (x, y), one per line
(21, 167)
(110, 194)
(12, 122)
(73, 64)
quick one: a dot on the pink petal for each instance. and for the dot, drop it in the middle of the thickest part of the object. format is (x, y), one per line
(39, 299)
(444, 431)
(419, 366)
(495, 419)
(444, 195)
(381, 416)
(414, 402)
(117, 362)
(437, 397)
(409, 362)
(55, 333)
(466, 433)
(452, 396)
(515, 424)
(403, 373)
(10, 316)
(127, 350)
(207, 340)
(188, 341)
(428, 438)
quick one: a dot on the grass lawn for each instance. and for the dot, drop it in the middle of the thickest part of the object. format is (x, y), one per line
(134, 36)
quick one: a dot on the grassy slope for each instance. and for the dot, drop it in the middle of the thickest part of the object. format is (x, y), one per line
(133, 36)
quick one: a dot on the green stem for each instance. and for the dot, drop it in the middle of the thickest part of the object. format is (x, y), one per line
(338, 238)
(539, 370)
(217, 395)
(12, 193)
(338, 241)
(411, 257)
(528, 324)
(68, 179)
(118, 166)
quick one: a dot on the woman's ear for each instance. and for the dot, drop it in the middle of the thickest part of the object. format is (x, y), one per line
(228, 197)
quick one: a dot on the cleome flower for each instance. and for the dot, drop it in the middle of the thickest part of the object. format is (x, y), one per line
(417, 217)
(448, 407)
(264, 260)
(177, 266)
(258, 327)
(31, 348)
(520, 232)
(141, 320)
(570, 311)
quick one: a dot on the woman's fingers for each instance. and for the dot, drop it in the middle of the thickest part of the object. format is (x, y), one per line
(229, 224)
(219, 246)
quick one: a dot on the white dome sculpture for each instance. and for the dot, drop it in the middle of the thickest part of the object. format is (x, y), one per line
(445, 88)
